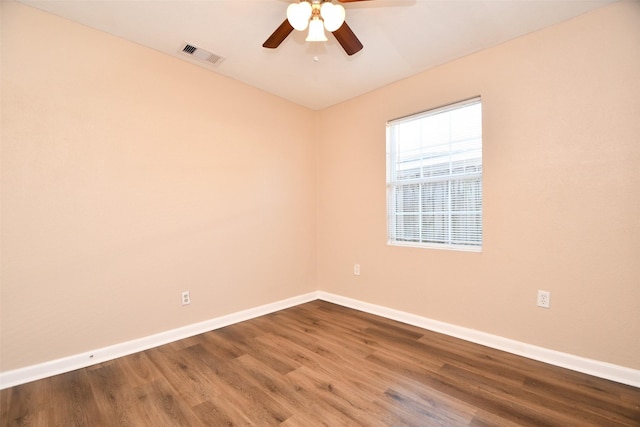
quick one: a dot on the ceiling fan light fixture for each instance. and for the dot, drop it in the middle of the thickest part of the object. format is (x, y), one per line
(316, 15)
(333, 15)
(298, 15)
(316, 31)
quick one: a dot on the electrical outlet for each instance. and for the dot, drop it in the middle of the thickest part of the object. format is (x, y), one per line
(186, 298)
(544, 299)
(356, 269)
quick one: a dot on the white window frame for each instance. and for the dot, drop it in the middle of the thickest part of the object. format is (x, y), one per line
(396, 184)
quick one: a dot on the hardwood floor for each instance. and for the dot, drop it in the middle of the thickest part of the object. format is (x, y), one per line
(321, 364)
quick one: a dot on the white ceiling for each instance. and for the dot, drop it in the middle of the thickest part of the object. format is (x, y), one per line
(400, 37)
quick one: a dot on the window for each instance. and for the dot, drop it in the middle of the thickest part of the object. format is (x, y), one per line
(434, 178)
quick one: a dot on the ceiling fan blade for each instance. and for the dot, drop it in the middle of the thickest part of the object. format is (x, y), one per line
(278, 35)
(347, 39)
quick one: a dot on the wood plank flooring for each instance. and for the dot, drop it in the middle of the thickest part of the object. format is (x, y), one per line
(320, 364)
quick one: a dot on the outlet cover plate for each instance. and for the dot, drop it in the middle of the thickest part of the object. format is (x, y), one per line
(186, 298)
(544, 299)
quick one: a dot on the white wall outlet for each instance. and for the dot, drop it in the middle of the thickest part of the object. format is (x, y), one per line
(544, 299)
(356, 269)
(186, 298)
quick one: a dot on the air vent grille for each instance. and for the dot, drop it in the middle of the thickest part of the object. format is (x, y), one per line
(201, 54)
(189, 49)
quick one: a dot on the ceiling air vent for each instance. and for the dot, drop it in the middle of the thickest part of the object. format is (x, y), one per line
(201, 54)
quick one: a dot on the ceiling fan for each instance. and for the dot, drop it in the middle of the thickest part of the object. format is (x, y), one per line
(317, 15)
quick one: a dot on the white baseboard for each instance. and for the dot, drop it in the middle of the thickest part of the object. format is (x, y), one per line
(71, 363)
(596, 368)
(588, 366)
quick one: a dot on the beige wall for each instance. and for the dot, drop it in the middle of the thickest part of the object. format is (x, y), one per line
(561, 114)
(128, 177)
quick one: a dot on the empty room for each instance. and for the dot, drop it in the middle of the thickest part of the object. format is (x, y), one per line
(272, 212)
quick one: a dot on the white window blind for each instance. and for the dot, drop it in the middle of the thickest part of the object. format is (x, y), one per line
(434, 178)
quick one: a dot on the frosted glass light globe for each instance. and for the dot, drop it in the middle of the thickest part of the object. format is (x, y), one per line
(333, 15)
(298, 15)
(316, 31)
